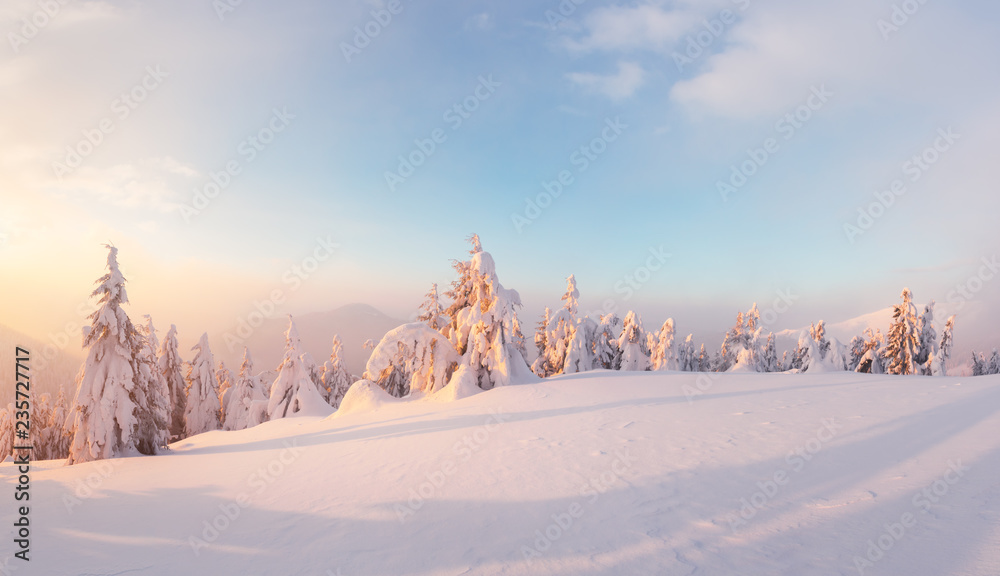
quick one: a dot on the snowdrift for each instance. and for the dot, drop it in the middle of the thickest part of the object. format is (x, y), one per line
(597, 473)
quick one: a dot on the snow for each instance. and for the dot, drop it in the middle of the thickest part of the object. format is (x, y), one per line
(593, 473)
(363, 396)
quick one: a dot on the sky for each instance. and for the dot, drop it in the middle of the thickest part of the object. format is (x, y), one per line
(712, 154)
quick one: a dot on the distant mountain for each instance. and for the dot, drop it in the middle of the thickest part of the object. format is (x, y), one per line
(354, 323)
(47, 375)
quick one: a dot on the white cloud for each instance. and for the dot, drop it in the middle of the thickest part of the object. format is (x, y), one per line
(618, 86)
(481, 21)
(642, 27)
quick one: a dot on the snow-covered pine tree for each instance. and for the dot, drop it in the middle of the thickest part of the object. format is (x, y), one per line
(541, 366)
(928, 342)
(41, 412)
(6, 431)
(663, 356)
(704, 362)
(58, 438)
(872, 360)
(939, 364)
(632, 343)
(902, 342)
(978, 364)
(607, 354)
(150, 394)
(246, 403)
(224, 381)
(857, 350)
(103, 419)
(481, 320)
(769, 359)
(686, 361)
(294, 391)
(412, 357)
(202, 411)
(993, 364)
(336, 378)
(171, 365)
(559, 329)
(785, 361)
(580, 350)
(431, 311)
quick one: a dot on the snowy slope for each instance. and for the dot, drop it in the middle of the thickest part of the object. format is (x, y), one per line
(599, 473)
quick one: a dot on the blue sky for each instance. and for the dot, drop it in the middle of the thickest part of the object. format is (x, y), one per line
(656, 185)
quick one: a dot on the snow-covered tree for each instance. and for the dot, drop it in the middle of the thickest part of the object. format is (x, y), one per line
(482, 321)
(7, 431)
(246, 403)
(559, 331)
(202, 411)
(871, 360)
(940, 360)
(541, 365)
(686, 359)
(336, 378)
(928, 341)
(412, 357)
(150, 394)
(431, 311)
(224, 381)
(294, 390)
(704, 362)
(57, 436)
(769, 359)
(171, 366)
(103, 419)
(607, 354)
(903, 341)
(632, 343)
(857, 349)
(663, 354)
(993, 364)
(580, 350)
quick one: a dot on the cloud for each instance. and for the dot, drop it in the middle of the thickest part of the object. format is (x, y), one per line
(642, 27)
(618, 86)
(481, 21)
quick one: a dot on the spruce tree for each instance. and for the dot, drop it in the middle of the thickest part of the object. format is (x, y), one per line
(103, 419)
(202, 410)
(171, 366)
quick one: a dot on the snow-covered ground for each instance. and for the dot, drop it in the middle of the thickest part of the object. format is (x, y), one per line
(598, 473)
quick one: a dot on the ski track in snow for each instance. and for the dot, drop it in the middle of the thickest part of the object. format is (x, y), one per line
(657, 482)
